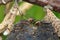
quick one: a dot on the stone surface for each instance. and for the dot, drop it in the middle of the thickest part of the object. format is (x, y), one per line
(25, 31)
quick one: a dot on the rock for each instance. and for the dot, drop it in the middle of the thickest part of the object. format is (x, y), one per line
(24, 30)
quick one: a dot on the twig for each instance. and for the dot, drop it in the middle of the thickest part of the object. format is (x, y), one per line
(54, 20)
(9, 19)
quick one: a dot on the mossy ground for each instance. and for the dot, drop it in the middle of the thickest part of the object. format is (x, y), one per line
(35, 12)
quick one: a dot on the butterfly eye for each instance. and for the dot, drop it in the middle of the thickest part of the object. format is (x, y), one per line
(30, 19)
(38, 23)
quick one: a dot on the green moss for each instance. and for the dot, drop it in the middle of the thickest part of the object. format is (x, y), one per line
(35, 12)
(2, 12)
(57, 14)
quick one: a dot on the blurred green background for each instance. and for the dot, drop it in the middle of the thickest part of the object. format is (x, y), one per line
(36, 12)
